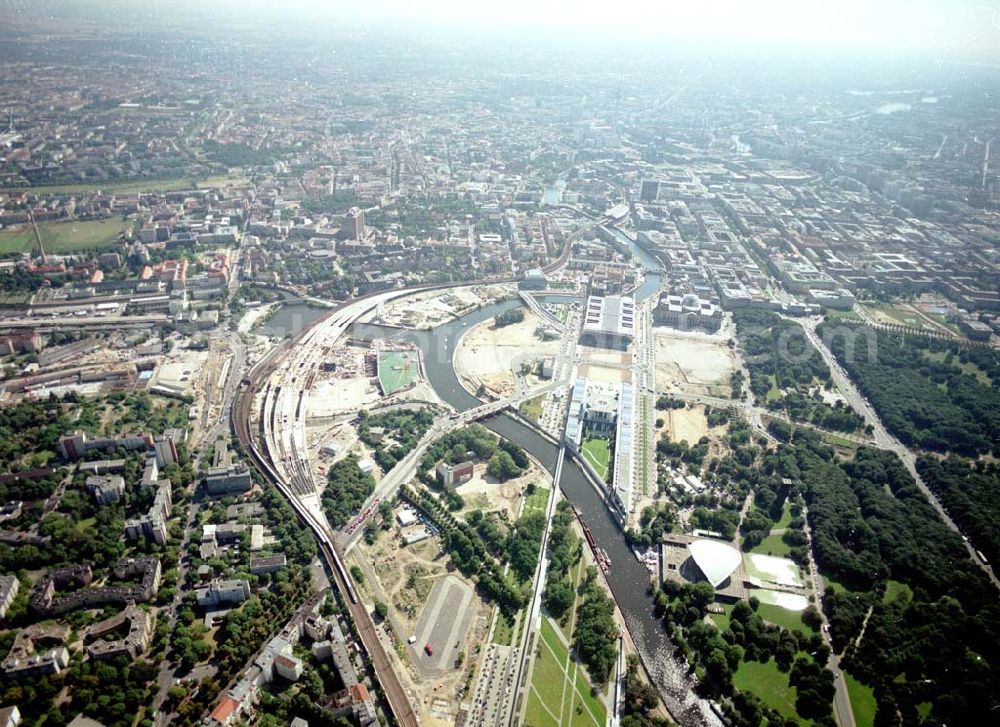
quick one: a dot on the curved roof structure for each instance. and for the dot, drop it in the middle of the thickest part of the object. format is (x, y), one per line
(715, 559)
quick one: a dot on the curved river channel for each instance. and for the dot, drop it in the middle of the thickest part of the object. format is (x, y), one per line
(629, 579)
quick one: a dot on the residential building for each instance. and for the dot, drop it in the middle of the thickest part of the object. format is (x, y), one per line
(9, 586)
(222, 592)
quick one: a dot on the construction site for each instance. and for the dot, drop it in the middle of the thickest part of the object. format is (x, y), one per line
(695, 362)
(499, 358)
(425, 311)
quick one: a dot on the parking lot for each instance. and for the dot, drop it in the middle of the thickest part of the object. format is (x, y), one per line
(443, 624)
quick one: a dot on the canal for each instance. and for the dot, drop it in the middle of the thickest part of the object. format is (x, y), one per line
(629, 579)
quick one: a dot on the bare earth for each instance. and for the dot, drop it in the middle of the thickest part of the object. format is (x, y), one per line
(693, 362)
(491, 355)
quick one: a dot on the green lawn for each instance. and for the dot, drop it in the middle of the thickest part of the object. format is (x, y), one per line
(532, 408)
(769, 684)
(504, 632)
(721, 620)
(838, 441)
(774, 392)
(560, 685)
(894, 590)
(597, 453)
(783, 617)
(786, 516)
(774, 545)
(60, 237)
(594, 712)
(837, 587)
(536, 716)
(537, 500)
(863, 702)
(17, 239)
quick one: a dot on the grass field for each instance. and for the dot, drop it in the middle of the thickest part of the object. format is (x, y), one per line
(779, 616)
(774, 545)
(839, 441)
(862, 701)
(837, 587)
(721, 620)
(397, 370)
(786, 516)
(967, 366)
(134, 186)
(597, 453)
(774, 392)
(560, 694)
(532, 408)
(894, 590)
(537, 500)
(769, 684)
(63, 237)
(503, 634)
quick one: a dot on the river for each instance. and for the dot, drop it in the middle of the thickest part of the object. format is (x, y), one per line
(628, 578)
(289, 319)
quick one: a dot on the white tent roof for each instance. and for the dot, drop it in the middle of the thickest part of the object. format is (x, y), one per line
(717, 560)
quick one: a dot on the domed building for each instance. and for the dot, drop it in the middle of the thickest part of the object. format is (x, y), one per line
(695, 559)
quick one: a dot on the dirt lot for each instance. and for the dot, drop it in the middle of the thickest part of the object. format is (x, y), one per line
(490, 355)
(693, 362)
(690, 424)
(485, 493)
(406, 576)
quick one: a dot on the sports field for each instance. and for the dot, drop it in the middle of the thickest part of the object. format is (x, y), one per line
(397, 370)
(560, 694)
(62, 237)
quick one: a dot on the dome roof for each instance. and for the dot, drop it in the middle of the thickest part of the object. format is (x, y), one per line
(715, 559)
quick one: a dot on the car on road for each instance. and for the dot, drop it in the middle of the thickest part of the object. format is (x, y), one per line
(429, 649)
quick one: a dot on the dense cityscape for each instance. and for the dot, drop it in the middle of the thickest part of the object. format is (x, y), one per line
(356, 376)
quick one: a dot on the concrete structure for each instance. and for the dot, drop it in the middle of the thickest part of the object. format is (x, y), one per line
(132, 644)
(690, 559)
(288, 667)
(46, 601)
(353, 225)
(687, 312)
(220, 592)
(609, 322)
(227, 480)
(10, 716)
(9, 586)
(452, 475)
(153, 525)
(269, 564)
(166, 451)
(37, 650)
(106, 489)
(623, 466)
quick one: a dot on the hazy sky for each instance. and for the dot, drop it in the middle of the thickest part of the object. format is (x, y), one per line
(965, 27)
